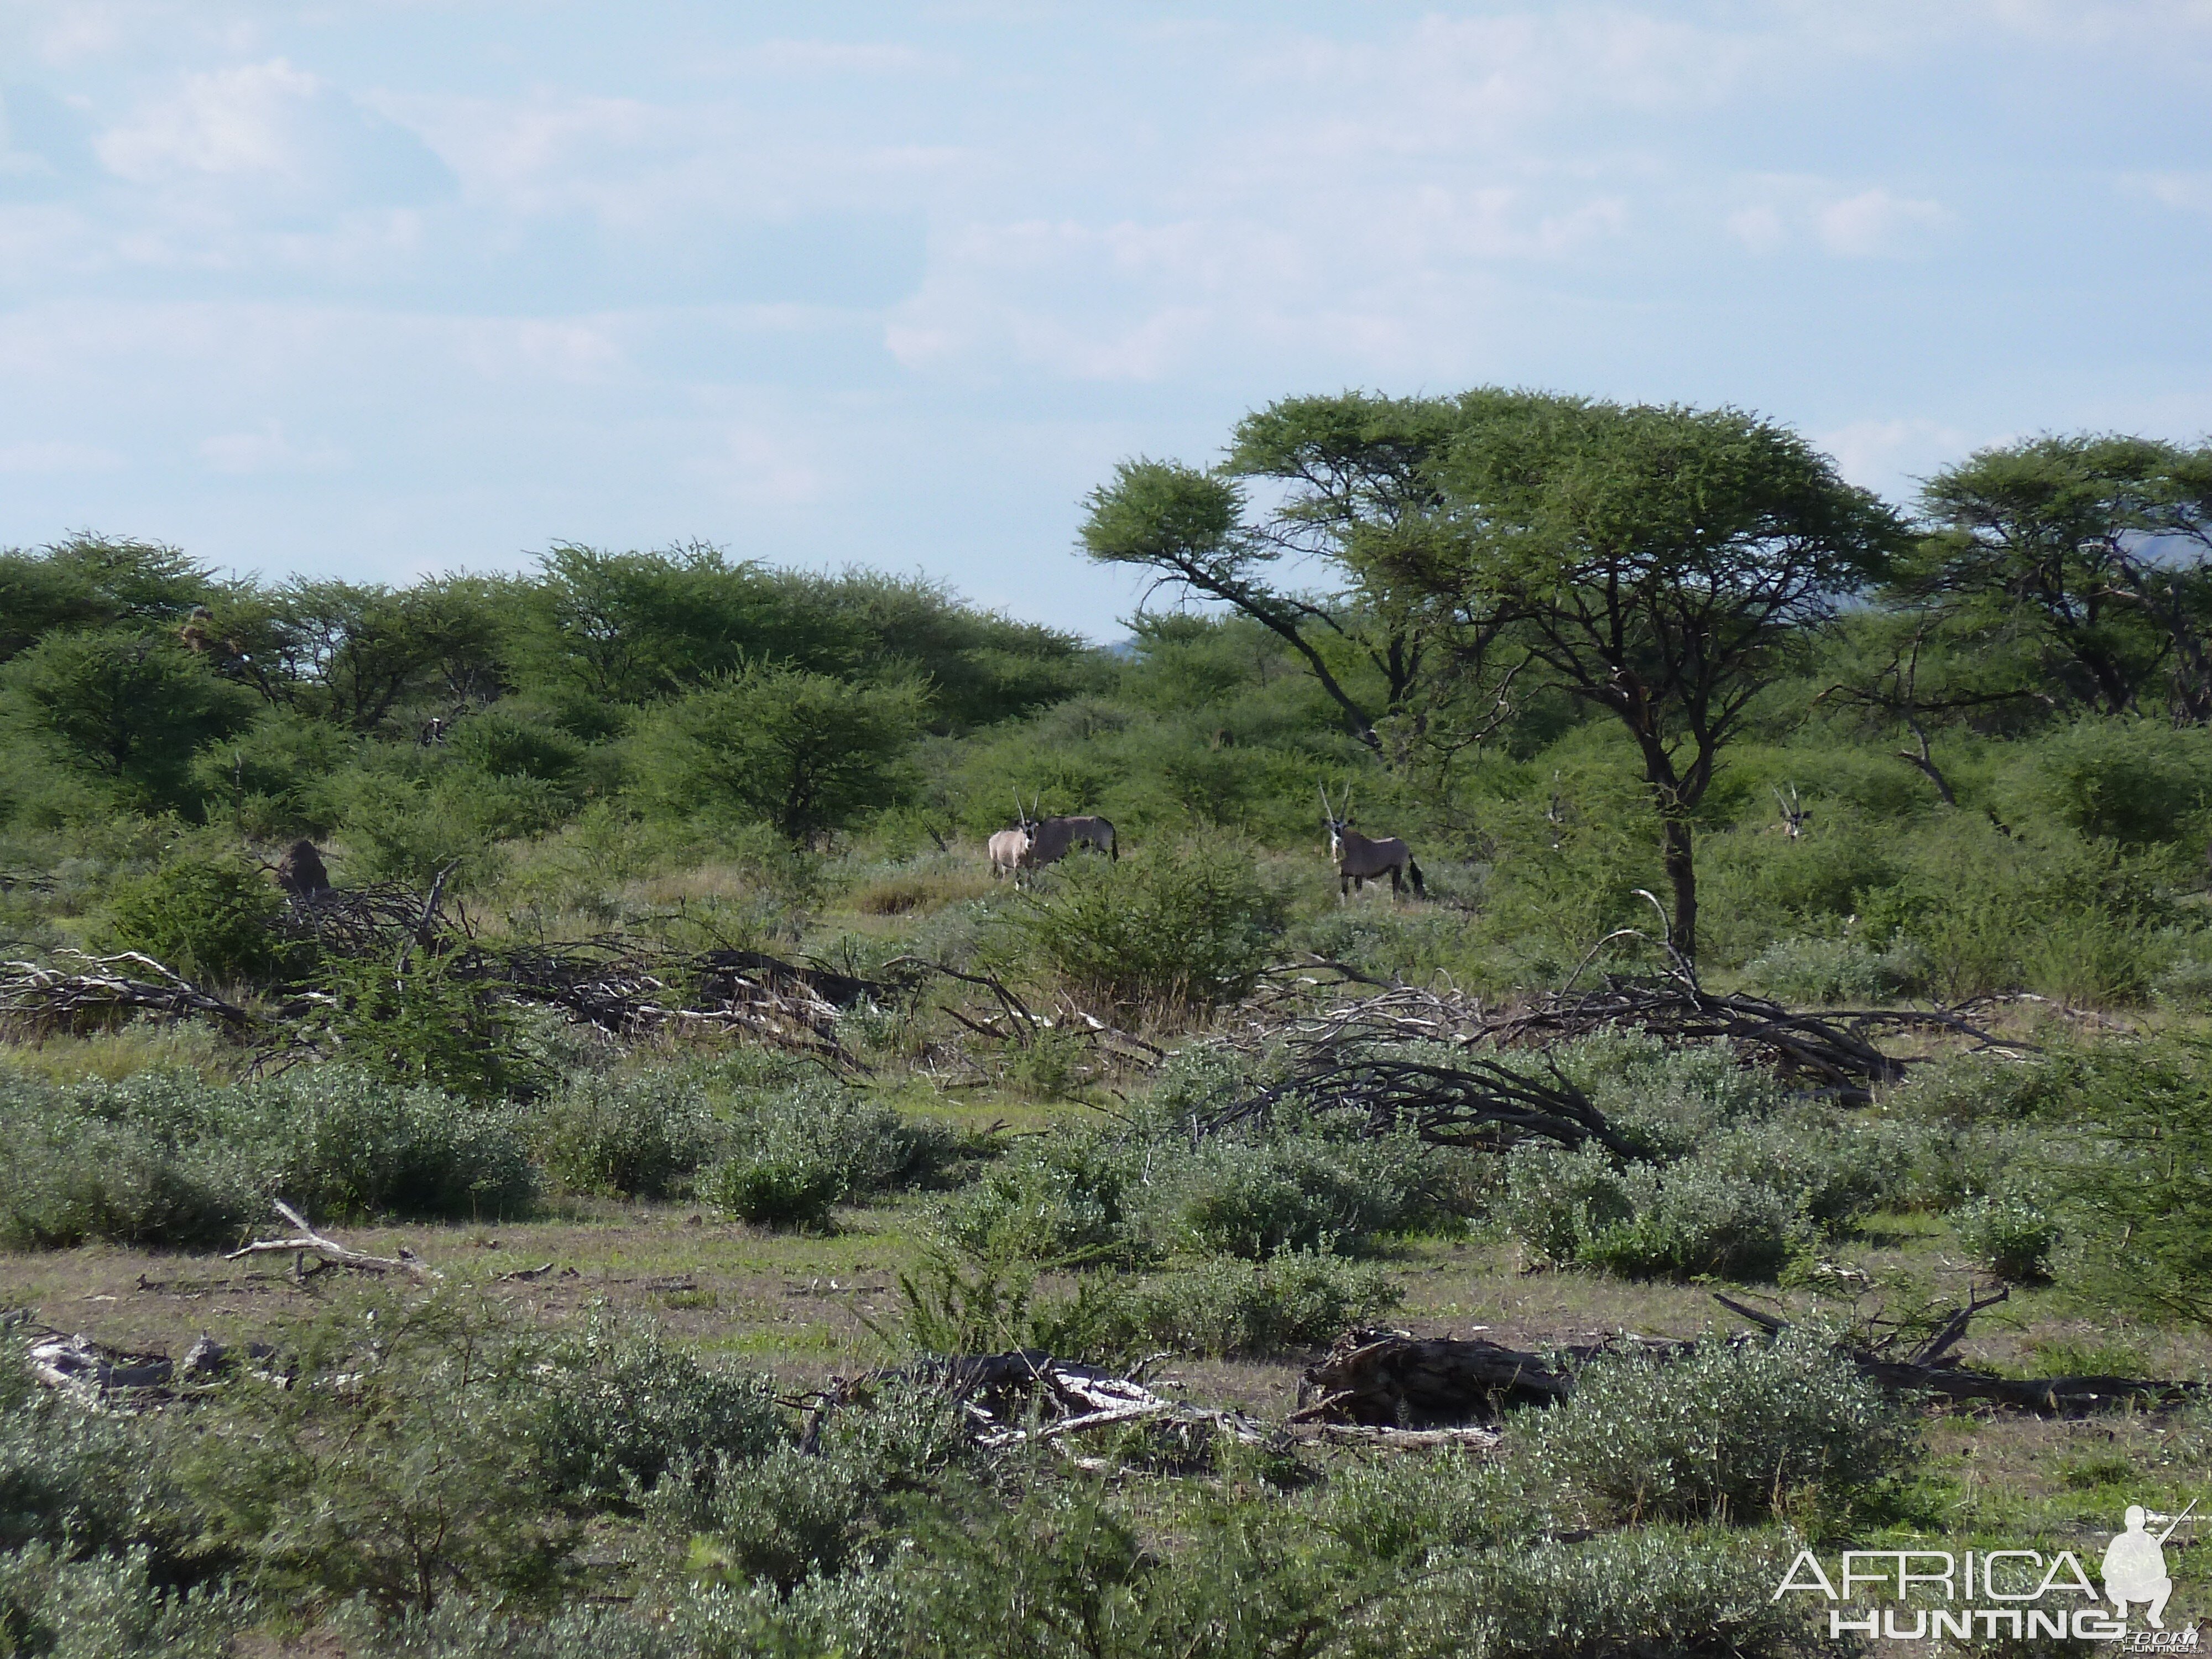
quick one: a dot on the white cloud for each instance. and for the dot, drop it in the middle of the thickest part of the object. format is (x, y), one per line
(1888, 454)
(242, 120)
(52, 456)
(1874, 224)
(267, 450)
(756, 466)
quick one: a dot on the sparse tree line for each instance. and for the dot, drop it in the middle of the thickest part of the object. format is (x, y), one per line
(1424, 597)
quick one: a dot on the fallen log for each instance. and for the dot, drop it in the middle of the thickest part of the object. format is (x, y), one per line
(1921, 1372)
(329, 1253)
(1388, 1379)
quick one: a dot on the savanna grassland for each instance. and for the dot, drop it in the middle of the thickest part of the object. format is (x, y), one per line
(662, 1009)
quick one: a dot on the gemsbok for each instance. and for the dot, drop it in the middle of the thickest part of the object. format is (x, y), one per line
(1361, 859)
(1054, 839)
(1010, 848)
(1793, 814)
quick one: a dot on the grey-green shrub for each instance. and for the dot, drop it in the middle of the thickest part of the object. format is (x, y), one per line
(1168, 930)
(1224, 1308)
(614, 1410)
(2013, 1233)
(1255, 1196)
(638, 1135)
(53, 1606)
(794, 1153)
(1657, 1592)
(1067, 1197)
(166, 1159)
(1425, 1509)
(1725, 1433)
(1826, 970)
(1739, 1205)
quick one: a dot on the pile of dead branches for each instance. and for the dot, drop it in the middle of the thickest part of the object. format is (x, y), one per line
(76, 992)
(1025, 1395)
(1401, 1058)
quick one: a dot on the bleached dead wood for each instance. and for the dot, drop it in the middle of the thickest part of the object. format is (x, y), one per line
(43, 997)
(330, 1253)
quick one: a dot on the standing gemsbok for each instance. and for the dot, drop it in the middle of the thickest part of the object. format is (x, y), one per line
(1010, 848)
(1360, 858)
(1052, 840)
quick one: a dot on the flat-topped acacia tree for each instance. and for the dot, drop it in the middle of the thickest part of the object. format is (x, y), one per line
(1664, 563)
(1660, 562)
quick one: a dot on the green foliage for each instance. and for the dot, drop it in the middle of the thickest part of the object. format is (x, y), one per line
(2044, 536)
(1170, 930)
(129, 707)
(419, 1020)
(1829, 971)
(1738, 1205)
(163, 1158)
(1667, 1592)
(1725, 1433)
(616, 1410)
(209, 914)
(2136, 1197)
(2134, 781)
(1223, 1309)
(637, 1134)
(2013, 1234)
(807, 753)
(791, 1187)
(1254, 1197)
(89, 582)
(794, 1152)
(52, 1607)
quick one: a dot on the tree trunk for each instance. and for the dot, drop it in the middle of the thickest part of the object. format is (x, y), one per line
(1682, 876)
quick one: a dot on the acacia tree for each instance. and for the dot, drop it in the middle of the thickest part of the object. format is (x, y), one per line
(1346, 476)
(1662, 563)
(2096, 547)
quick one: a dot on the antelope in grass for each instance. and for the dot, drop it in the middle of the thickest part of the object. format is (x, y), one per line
(1035, 842)
(1360, 858)
(1054, 839)
(1793, 815)
(1010, 848)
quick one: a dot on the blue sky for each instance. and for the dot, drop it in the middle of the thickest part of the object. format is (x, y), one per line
(377, 290)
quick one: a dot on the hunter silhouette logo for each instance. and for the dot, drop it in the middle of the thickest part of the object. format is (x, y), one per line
(2135, 1565)
(1906, 1596)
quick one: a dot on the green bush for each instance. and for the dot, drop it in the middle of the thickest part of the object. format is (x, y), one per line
(1254, 1197)
(1657, 1592)
(165, 1159)
(2012, 1234)
(1826, 971)
(1167, 931)
(1223, 1309)
(788, 1189)
(416, 1020)
(803, 752)
(209, 915)
(1067, 1197)
(54, 1606)
(1725, 1433)
(613, 1411)
(1739, 1205)
(1645, 1221)
(2133, 780)
(641, 1135)
(794, 1152)
(1422, 1511)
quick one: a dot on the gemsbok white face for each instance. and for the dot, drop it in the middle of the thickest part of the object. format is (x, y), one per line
(1361, 859)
